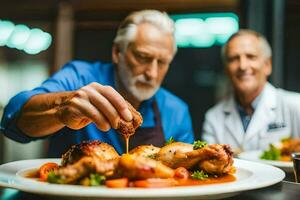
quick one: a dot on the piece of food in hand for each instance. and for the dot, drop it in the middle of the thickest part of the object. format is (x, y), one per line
(149, 151)
(97, 149)
(135, 167)
(128, 128)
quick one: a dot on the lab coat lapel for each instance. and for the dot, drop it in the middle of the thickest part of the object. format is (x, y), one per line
(233, 122)
(264, 112)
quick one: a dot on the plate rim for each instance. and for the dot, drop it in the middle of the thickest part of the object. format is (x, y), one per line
(181, 191)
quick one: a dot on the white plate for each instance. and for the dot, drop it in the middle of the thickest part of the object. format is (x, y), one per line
(250, 175)
(255, 156)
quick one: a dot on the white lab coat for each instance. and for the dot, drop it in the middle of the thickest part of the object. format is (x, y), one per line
(276, 116)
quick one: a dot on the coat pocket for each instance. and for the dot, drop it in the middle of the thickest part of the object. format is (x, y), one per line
(274, 136)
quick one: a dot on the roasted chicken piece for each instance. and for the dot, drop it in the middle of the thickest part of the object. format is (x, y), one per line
(134, 166)
(85, 166)
(174, 155)
(128, 128)
(213, 159)
(97, 149)
(290, 146)
(145, 150)
(88, 157)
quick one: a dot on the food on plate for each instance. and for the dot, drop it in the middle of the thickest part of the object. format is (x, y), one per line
(128, 128)
(283, 151)
(97, 163)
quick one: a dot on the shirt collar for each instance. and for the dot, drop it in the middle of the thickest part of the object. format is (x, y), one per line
(254, 103)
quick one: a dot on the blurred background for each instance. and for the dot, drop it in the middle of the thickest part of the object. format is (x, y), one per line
(37, 38)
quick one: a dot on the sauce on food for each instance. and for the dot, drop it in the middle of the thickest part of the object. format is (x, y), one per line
(213, 180)
(33, 174)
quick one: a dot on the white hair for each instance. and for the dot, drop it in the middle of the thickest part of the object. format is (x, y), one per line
(127, 30)
(264, 44)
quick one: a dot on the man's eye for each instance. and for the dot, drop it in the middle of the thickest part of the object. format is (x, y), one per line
(162, 62)
(252, 57)
(143, 58)
(231, 59)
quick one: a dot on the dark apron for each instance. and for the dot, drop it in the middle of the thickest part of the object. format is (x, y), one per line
(148, 135)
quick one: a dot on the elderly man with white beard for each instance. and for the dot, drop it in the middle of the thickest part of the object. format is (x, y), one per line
(84, 101)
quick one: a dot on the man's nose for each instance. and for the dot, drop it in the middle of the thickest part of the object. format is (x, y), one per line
(152, 70)
(243, 63)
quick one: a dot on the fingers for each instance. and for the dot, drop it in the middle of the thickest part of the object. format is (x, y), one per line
(116, 100)
(88, 110)
(101, 104)
(104, 106)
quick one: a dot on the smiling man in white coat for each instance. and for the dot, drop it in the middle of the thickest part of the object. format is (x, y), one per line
(256, 113)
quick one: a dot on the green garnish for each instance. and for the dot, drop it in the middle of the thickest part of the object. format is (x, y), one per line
(97, 179)
(199, 175)
(272, 153)
(153, 156)
(285, 139)
(199, 144)
(53, 178)
(170, 140)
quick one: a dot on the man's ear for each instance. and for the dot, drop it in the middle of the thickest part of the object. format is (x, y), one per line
(115, 54)
(268, 66)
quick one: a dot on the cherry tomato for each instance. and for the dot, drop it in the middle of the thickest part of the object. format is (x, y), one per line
(45, 169)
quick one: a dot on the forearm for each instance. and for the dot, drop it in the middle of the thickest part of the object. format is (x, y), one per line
(38, 116)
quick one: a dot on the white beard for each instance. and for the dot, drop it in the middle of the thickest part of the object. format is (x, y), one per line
(129, 81)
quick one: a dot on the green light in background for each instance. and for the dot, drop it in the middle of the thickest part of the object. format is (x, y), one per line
(222, 27)
(6, 28)
(18, 37)
(192, 33)
(37, 42)
(204, 30)
(32, 41)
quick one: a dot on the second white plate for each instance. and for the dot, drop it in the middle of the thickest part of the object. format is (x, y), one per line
(255, 156)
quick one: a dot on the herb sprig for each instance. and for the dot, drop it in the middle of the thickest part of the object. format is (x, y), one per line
(170, 141)
(199, 175)
(199, 144)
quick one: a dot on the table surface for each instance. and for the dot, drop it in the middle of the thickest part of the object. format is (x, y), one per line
(284, 190)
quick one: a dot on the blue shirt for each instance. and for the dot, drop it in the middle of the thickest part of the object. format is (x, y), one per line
(175, 116)
(244, 115)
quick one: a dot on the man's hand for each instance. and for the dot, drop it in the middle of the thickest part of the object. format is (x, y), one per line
(45, 114)
(93, 103)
